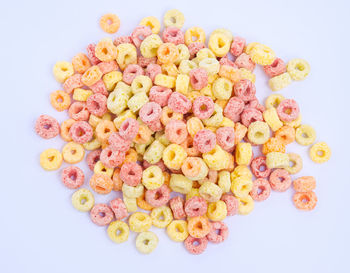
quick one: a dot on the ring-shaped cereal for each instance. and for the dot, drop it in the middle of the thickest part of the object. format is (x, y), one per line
(218, 233)
(245, 205)
(304, 184)
(196, 206)
(97, 104)
(112, 158)
(258, 132)
(250, 115)
(196, 245)
(176, 131)
(118, 207)
(110, 23)
(139, 34)
(118, 231)
(83, 200)
(105, 51)
(65, 127)
(241, 186)
(194, 32)
(81, 63)
(78, 111)
(261, 189)
(276, 68)
(51, 159)
(177, 230)
(72, 177)
(280, 180)
(295, 163)
(92, 158)
(101, 214)
(104, 129)
(204, 141)
(161, 216)
(237, 46)
(151, 22)
(298, 69)
(101, 183)
(198, 227)
(146, 242)
(305, 135)
(47, 127)
(262, 54)
(225, 137)
(60, 100)
(62, 71)
(142, 204)
(174, 35)
(140, 222)
(73, 152)
(273, 101)
(305, 200)
(177, 207)
(259, 167)
(174, 18)
(217, 211)
(219, 43)
(288, 110)
(179, 103)
(286, 134)
(158, 197)
(167, 53)
(320, 152)
(81, 132)
(231, 204)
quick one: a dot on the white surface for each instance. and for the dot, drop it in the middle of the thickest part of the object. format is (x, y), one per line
(39, 229)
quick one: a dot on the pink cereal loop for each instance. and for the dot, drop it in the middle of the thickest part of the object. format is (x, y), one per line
(119, 208)
(131, 173)
(234, 108)
(204, 141)
(173, 35)
(131, 72)
(99, 87)
(122, 40)
(278, 67)
(288, 110)
(112, 158)
(231, 204)
(280, 180)
(218, 232)
(72, 177)
(196, 245)
(118, 143)
(244, 61)
(176, 131)
(179, 103)
(193, 48)
(150, 112)
(129, 129)
(196, 206)
(250, 115)
(73, 82)
(139, 34)
(153, 70)
(261, 189)
(92, 158)
(97, 104)
(254, 103)
(160, 95)
(203, 107)
(198, 78)
(101, 214)
(158, 197)
(259, 167)
(225, 137)
(144, 62)
(237, 46)
(226, 61)
(81, 132)
(47, 127)
(177, 206)
(107, 67)
(91, 54)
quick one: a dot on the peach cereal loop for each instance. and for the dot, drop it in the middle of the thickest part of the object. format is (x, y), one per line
(305, 200)
(60, 100)
(51, 159)
(110, 23)
(320, 152)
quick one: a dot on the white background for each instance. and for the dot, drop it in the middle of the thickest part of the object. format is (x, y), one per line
(39, 229)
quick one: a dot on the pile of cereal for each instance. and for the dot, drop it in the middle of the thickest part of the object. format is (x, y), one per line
(170, 123)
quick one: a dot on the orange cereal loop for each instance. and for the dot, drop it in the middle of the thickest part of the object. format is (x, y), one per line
(168, 114)
(231, 73)
(65, 127)
(188, 146)
(110, 23)
(166, 178)
(167, 53)
(286, 134)
(143, 135)
(81, 63)
(60, 100)
(305, 200)
(117, 182)
(142, 204)
(198, 227)
(240, 132)
(130, 156)
(91, 76)
(101, 183)
(104, 129)
(304, 184)
(274, 144)
(231, 163)
(105, 50)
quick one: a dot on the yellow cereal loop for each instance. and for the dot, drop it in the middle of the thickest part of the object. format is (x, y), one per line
(216, 118)
(62, 71)
(137, 101)
(177, 230)
(305, 135)
(217, 211)
(123, 116)
(224, 31)
(204, 53)
(226, 122)
(126, 54)
(222, 88)
(296, 163)
(219, 43)
(152, 177)
(83, 200)
(117, 102)
(174, 18)
(210, 191)
(258, 132)
(146, 242)
(154, 152)
(162, 139)
(247, 74)
(194, 125)
(180, 183)
(149, 46)
(173, 156)
(170, 69)
(141, 83)
(271, 117)
(193, 192)
(93, 144)
(243, 153)
(273, 101)
(298, 69)
(184, 53)
(130, 203)
(140, 222)
(111, 79)
(262, 54)
(245, 205)
(277, 160)
(132, 192)
(241, 171)
(186, 66)
(161, 216)
(224, 181)
(51, 159)
(217, 159)
(101, 169)
(212, 66)
(182, 83)
(118, 231)
(194, 34)
(80, 94)
(241, 186)
(249, 47)
(165, 81)
(320, 152)
(73, 152)
(279, 82)
(151, 22)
